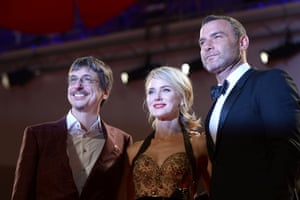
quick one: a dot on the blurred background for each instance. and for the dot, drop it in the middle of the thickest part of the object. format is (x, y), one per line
(40, 39)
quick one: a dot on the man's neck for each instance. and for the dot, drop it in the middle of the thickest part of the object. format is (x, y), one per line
(86, 119)
(224, 74)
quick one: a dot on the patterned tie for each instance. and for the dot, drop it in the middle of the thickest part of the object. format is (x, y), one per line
(216, 91)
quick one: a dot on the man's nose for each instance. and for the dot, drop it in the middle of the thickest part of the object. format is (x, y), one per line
(78, 83)
(207, 45)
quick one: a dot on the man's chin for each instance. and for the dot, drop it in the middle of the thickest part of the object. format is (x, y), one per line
(80, 107)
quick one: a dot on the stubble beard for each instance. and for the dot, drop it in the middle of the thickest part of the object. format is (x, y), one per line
(79, 107)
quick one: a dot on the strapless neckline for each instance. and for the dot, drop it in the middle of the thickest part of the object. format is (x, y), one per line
(170, 157)
(150, 179)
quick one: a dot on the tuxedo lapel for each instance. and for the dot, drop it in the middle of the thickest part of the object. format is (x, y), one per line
(232, 97)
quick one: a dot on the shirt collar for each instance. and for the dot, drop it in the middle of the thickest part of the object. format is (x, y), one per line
(236, 75)
(74, 126)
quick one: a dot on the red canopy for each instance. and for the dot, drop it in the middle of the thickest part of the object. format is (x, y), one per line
(52, 16)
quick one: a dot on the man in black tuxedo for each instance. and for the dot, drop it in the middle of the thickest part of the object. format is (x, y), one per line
(253, 127)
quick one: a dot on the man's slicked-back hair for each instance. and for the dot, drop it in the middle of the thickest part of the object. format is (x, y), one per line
(237, 27)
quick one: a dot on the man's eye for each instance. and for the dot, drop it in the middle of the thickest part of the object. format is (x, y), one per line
(73, 80)
(218, 36)
(201, 43)
(87, 80)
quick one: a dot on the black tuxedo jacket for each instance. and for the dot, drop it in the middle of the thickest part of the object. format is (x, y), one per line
(43, 171)
(257, 149)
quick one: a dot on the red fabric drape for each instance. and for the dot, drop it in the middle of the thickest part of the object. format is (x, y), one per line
(95, 12)
(52, 16)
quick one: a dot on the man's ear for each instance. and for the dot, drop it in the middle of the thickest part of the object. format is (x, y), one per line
(106, 94)
(244, 42)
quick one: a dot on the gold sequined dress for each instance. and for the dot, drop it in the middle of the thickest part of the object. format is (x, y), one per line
(150, 179)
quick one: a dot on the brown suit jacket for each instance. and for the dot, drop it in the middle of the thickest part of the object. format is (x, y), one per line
(43, 171)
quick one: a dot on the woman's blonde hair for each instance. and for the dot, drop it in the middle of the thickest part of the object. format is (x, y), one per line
(183, 86)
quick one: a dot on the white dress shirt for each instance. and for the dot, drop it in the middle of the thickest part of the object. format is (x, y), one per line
(215, 115)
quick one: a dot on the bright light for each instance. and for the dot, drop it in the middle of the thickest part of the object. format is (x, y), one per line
(124, 77)
(185, 68)
(5, 81)
(264, 57)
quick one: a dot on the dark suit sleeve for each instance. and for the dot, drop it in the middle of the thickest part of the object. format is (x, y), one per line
(279, 108)
(25, 175)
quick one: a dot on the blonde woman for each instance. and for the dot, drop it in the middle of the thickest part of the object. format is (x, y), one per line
(170, 162)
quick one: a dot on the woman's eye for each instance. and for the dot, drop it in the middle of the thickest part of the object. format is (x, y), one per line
(166, 90)
(150, 92)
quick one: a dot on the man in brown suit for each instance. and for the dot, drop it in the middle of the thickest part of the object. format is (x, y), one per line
(79, 157)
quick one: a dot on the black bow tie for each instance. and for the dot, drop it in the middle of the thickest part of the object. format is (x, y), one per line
(216, 91)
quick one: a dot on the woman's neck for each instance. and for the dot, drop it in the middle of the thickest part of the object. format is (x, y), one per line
(166, 129)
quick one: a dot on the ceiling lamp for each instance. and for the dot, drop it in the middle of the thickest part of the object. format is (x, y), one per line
(140, 72)
(18, 77)
(192, 66)
(285, 50)
(137, 73)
